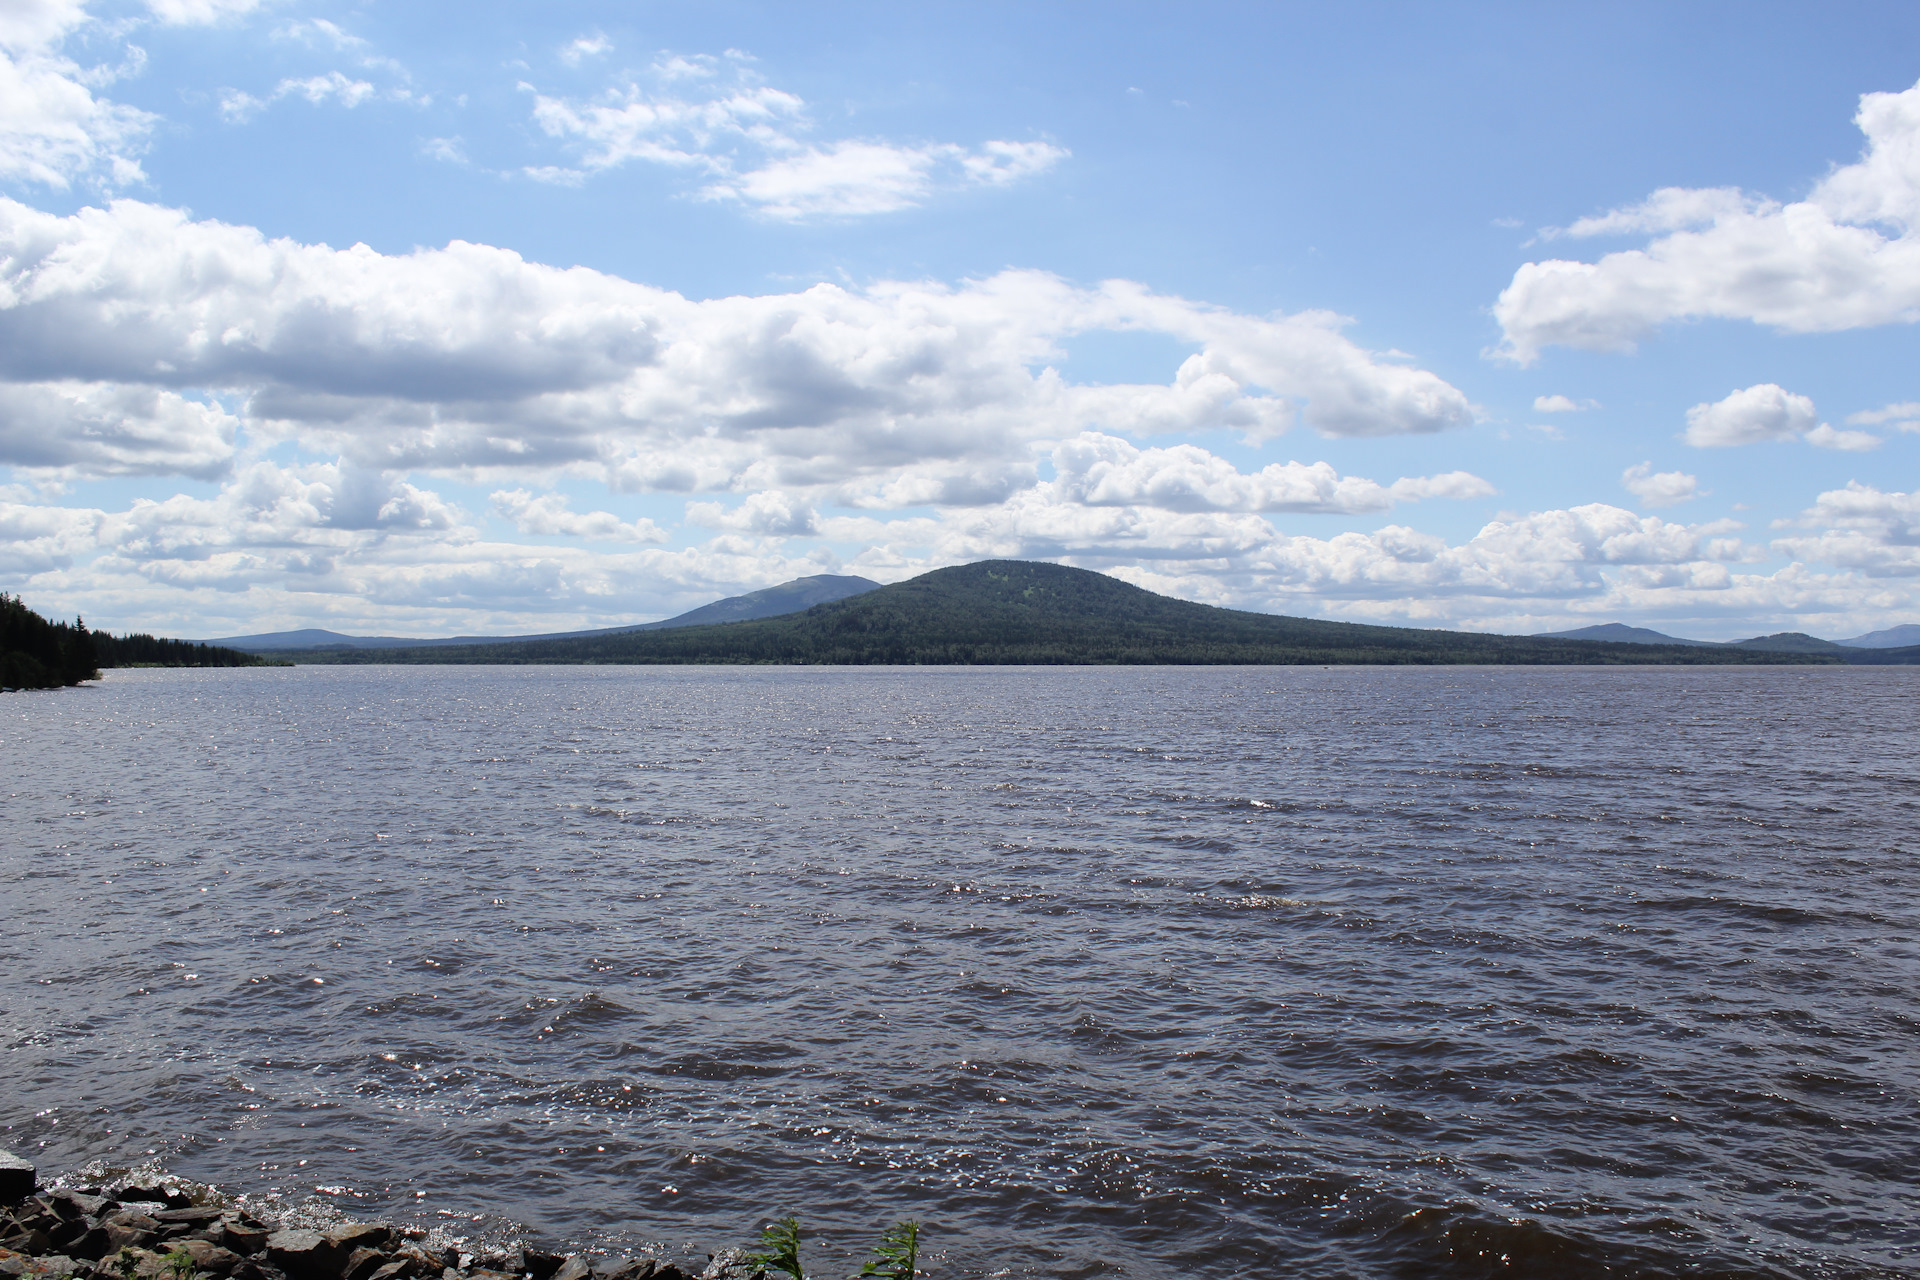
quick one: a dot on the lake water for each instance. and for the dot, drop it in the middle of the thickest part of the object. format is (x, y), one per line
(1129, 972)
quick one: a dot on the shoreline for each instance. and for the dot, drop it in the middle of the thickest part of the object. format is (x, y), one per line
(143, 1226)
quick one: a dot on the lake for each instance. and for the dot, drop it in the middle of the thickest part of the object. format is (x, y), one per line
(1138, 972)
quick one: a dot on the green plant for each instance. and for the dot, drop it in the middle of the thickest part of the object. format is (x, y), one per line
(126, 1263)
(780, 1245)
(180, 1265)
(899, 1253)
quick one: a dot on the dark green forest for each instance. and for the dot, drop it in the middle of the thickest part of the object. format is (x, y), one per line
(38, 654)
(1020, 613)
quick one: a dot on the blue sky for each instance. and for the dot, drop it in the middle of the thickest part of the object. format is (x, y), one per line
(430, 320)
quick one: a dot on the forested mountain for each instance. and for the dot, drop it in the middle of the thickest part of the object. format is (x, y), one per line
(1016, 612)
(38, 654)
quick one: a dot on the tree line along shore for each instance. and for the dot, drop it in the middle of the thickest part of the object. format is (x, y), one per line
(36, 653)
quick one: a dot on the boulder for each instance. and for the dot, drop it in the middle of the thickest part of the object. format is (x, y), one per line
(127, 1229)
(209, 1257)
(573, 1268)
(242, 1236)
(633, 1269)
(16, 1178)
(361, 1235)
(21, 1264)
(732, 1264)
(305, 1255)
(362, 1263)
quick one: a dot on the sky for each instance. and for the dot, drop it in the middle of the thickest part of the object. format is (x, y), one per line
(428, 319)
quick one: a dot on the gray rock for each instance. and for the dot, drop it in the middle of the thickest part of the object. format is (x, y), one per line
(305, 1255)
(52, 1264)
(361, 1235)
(210, 1257)
(16, 1178)
(574, 1268)
(732, 1264)
(243, 1237)
(362, 1262)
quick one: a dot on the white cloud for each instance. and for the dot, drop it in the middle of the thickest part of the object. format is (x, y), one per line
(1763, 412)
(767, 514)
(1826, 437)
(583, 47)
(713, 117)
(200, 12)
(1861, 528)
(318, 89)
(1561, 404)
(1846, 257)
(1902, 417)
(471, 357)
(1659, 489)
(53, 129)
(851, 179)
(1099, 470)
(80, 429)
(547, 514)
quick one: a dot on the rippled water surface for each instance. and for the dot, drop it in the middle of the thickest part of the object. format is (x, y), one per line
(1139, 972)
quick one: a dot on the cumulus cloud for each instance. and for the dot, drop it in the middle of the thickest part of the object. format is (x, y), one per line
(1559, 404)
(713, 117)
(1758, 413)
(1861, 528)
(80, 429)
(1768, 412)
(1827, 437)
(765, 514)
(358, 550)
(1100, 470)
(54, 131)
(1659, 488)
(471, 357)
(1845, 257)
(547, 514)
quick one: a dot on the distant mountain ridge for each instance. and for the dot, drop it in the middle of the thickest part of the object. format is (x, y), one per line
(1621, 633)
(1011, 612)
(1780, 642)
(768, 602)
(1892, 638)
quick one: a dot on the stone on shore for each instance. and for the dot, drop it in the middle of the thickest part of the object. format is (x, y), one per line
(16, 1178)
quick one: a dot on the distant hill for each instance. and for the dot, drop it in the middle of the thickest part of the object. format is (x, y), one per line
(1788, 642)
(1621, 633)
(1892, 638)
(768, 602)
(1015, 612)
(788, 597)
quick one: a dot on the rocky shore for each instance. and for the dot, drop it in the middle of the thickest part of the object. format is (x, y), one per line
(169, 1232)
